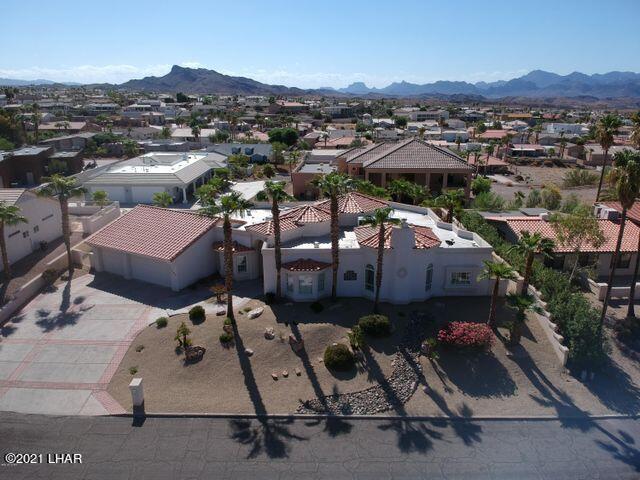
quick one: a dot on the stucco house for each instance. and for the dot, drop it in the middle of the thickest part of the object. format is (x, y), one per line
(424, 257)
(414, 160)
(137, 179)
(43, 222)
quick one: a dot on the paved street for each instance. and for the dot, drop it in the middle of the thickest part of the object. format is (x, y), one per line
(190, 448)
(59, 353)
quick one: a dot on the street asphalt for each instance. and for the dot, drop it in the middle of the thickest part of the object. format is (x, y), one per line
(307, 448)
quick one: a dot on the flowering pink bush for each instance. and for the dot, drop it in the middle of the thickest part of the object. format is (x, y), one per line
(466, 335)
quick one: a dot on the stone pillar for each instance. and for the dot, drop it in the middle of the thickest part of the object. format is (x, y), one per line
(137, 393)
(184, 194)
(445, 179)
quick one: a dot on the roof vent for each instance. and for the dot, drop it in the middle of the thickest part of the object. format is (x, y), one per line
(316, 244)
(544, 216)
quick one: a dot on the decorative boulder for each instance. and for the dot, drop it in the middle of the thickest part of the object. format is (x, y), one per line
(248, 352)
(269, 333)
(228, 328)
(221, 311)
(194, 354)
(255, 313)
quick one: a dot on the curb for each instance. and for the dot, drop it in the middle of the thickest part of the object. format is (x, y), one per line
(284, 416)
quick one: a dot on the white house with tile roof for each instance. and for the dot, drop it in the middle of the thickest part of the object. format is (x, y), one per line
(424, 256)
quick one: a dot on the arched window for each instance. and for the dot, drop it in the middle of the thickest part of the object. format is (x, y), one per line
(429, 279)
(368, 277)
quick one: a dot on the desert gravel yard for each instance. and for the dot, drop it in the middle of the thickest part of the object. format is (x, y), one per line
(527, 381)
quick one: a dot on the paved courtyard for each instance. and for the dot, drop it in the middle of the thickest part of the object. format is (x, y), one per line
(58, 355)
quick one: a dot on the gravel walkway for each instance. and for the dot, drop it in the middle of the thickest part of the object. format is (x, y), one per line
(392, 392)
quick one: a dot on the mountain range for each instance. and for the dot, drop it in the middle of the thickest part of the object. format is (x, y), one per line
(535, 84)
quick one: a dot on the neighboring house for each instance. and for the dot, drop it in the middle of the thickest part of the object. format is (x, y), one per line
(137, 179)
(526, 150)
(185, 134)
(424, 257)
(257, 152)
(494, 134)
(66, 127)
(44, 222)
(27, 166)
(76, 141)
(598, 258)
(413, 160)
(302, 177)
(594, 154)
(493, 165)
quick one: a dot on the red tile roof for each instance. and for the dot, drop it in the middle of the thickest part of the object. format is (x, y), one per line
(354, 202)
(307, 214)
(153, 232)
(493, 161)
(609, 228)
(368, 236)
(236, 247)
(305, 265)
(292, 219)
(494, 134)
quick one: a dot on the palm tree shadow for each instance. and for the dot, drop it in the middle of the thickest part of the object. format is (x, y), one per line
(268, 436)
(412, 436)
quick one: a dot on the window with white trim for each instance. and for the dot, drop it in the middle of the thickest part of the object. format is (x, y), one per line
(368, 277)
(461, 278)
(429, 278)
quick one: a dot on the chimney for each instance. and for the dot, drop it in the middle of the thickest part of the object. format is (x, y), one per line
(316, 245)
(403, 236)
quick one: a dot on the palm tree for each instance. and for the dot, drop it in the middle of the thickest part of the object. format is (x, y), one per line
(537, 128)
(625, 177)
(162, 199)
(450, 200)
(195, 131)
(63, 188)
(635, 132)
(10, 215)
(497, 271)
(228, 205)
(605, 130)
(418, 193)
(382, 219)
(100, 197)
(333, 185)
(276, 192)
(294, 156)
(399, 188)
(521, 303)
(529, 245)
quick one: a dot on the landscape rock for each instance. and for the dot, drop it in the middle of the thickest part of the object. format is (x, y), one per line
(256, 312)
(248, 352)
(401, 384)
(269, 333)
(274, 376)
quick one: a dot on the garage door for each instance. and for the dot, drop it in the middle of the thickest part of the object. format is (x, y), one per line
(113, 262)
(149, 270)
(144, 194)
(115, 193)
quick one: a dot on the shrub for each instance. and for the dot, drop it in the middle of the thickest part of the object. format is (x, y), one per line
(133, 370)
(226, 337)
(139, 348)
(480, 185)
(316, 307)
(579, 177)
(466, 335)
(49, 276)
(356, 338)
(339, 357)
(227, 321)
(269, 298)
(162, 322)
(196, 314)
(488, 201)
(375, 325)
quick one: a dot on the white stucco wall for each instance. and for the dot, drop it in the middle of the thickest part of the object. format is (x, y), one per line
(44, 225)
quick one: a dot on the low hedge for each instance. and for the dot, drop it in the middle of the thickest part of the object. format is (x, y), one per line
(467, 336)
(577, 320)
(339, 357)
(375, 325)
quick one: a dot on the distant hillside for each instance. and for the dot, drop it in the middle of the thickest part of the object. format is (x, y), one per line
(201, 80)
(12, 82)
(536, 84)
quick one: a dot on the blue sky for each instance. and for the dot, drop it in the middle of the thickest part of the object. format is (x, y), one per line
(314, 44)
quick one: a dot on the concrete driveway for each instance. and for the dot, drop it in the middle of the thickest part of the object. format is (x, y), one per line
(58, 355)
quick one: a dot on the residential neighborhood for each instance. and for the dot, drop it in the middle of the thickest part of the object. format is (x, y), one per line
(318, 264)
